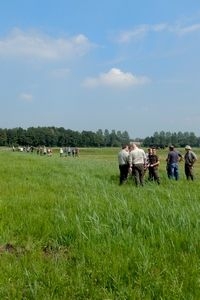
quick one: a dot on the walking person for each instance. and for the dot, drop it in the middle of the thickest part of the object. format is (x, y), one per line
(153, 163)
(137, 160)
(190, 158)
(123, 160)
(173, 159)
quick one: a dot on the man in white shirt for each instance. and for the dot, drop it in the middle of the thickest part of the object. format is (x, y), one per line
(137, 160)
(123, 157)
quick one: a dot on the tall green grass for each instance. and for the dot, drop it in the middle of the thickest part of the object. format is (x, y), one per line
(69, 231)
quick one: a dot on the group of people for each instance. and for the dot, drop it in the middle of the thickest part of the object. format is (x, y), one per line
(47, 151)
(68, 151)
(134, 161)
(44, 151)
(174, 157)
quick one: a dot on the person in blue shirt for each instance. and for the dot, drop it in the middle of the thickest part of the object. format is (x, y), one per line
(173, 159)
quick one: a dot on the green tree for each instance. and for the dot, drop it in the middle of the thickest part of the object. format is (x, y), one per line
(88, 139)
(114, 139)
(107, 141)
(3, 137)
(21, 137)
(193, 140)
(162, 139)
(124, 138)
(99, 138)
(156, 139)
(168, 137)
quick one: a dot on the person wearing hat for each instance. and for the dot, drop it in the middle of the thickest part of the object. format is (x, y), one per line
(190, 158)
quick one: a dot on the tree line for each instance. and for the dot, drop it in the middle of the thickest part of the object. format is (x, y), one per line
(60, 137)
(163, 139)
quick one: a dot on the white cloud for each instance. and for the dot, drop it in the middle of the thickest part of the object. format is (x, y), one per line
(187, 29)
(159, 27)
(137, 33)
(142, 30)
(26, 97)
(35, 45)
(116, 78)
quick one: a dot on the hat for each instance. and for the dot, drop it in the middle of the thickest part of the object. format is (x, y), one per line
(187, 147)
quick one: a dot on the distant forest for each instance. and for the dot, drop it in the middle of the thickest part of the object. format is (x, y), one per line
(61, 137)
(163, 139)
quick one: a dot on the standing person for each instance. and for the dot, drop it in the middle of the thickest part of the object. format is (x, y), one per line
(123, 157)
(77, 152)
(73, 152)
(61, 152)
(173, 159)
(44, 150)
(69, 151)
(168, 169)
(137, 160)
(149, 152)
(190, 158)
(153, 163)
(65, 151)
(49, 152)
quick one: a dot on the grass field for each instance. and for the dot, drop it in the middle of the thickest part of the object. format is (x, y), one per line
(69, 231)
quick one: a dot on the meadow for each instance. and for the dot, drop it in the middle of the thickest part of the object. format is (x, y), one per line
(69, 231)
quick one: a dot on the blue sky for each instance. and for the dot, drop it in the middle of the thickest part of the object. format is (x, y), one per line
(109, 64)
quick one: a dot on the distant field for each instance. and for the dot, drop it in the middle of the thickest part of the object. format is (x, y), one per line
(69, 231)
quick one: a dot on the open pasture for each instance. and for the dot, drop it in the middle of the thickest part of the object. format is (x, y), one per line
(69, 231)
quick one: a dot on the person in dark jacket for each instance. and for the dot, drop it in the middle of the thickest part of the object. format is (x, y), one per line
(153, 163)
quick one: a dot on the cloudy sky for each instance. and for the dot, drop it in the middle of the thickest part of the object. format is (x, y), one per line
(112, 64)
